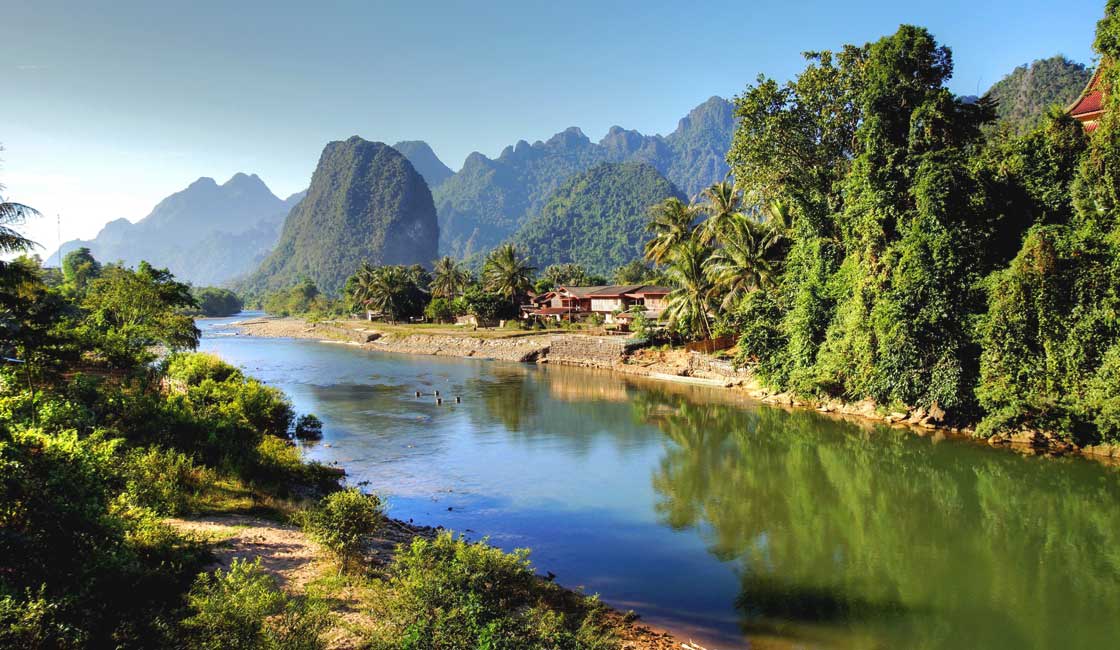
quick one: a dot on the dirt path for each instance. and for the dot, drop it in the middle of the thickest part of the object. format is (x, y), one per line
(287, 554)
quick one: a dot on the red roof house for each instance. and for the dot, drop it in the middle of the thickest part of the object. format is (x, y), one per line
(1089, 107)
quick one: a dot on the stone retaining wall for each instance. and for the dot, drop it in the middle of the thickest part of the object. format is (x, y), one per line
(589, 351)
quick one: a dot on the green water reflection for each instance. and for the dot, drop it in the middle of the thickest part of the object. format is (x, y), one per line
(868, 537)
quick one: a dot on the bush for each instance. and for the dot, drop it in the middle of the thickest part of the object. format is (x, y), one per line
(343, 521)
(192, 369)
(449, 593)
(489, 307)
(162, 480)
(243, 609)
(440, 310)
(309, 427)
(35, 622)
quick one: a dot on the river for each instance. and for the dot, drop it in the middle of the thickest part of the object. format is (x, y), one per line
(738, 524)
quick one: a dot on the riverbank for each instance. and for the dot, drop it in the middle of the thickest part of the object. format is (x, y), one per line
(302, 568)
(584, 349)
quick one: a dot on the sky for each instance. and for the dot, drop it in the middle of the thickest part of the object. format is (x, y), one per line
(107, 107)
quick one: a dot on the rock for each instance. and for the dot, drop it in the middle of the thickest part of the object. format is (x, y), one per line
(995, 440)
(936, 413)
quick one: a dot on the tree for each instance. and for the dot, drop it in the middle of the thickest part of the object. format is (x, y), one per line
(214, 301)
(634, 272)
(671, 224)
(507, 273)
(722, 201)
(449, 279)
(129, 312)
(747, 258)
(79, 267)
(395, 292)
(689, 305)
(11, 241)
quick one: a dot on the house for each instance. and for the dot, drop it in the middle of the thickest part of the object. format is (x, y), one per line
(571, 303)
(1089, 106)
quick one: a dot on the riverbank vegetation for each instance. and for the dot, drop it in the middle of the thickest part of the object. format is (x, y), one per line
(110, 425)
(881, 243)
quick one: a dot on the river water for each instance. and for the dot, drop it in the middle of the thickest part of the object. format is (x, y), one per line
(735, 523)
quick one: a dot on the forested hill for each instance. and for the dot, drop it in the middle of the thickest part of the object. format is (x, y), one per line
(488, 199)
(597, 218)
(1024, 95)
(206, 234)
(425, 161)
(366, 203)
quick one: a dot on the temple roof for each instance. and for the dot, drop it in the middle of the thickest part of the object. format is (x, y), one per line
(1089, 104)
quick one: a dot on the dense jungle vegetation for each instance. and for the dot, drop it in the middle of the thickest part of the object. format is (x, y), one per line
(881, 243)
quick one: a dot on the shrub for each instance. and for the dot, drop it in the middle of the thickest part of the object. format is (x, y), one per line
(440, 310)
(243, 609)
(309, 427)
(194, 368)
(489, 307)
(35, 622)
(162, 479)
(449, 593)
(342, 522)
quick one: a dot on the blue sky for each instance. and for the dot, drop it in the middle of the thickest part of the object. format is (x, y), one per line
(109, 106)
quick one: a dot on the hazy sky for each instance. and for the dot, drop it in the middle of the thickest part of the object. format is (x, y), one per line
(107, 107)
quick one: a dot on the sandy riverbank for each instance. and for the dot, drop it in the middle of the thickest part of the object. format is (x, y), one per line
(662, 365)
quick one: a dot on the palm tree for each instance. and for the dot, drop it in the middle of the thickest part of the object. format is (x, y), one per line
(689, 303)
(779, 216)
(722, 202)
(14, 214)
(507, 273)
(390, 290)
(747, 259)
(449, 279)
(362, 287)
(671, 224)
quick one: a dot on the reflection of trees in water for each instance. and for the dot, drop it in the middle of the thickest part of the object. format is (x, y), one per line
(524, 401)
(889, 536)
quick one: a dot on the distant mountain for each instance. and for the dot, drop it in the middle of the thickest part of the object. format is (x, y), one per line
(597, 218)
(487, 200)
(1024, 95)
(206, 234)
(425, 161)
(366, 203)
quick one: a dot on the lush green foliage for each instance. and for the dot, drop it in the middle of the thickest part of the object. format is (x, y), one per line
(79, 268)
(128, 312)
(449, 279)
(924, 260)
(394, 292)
(213, 301)
(242, 608)
(343, 522)
(597, 218)
(303, 298)
(449, 593)
(508, 273)
(489, 307)
(1023, 96)
(366, 203)
(308, 427)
